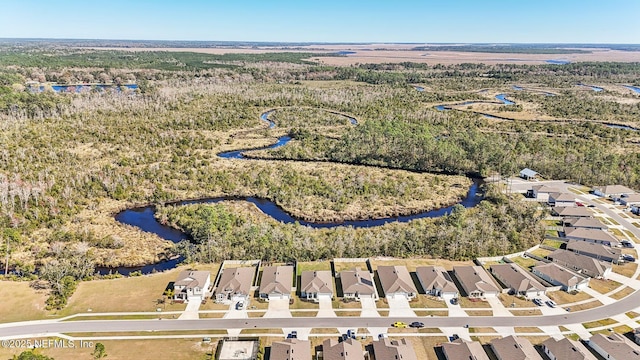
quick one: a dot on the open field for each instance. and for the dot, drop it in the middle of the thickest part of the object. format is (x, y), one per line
(20, 302)
(138, 293)
(179, 349)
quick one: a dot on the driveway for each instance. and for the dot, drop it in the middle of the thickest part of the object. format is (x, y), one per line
(368, 308)
(497, 307)
(454, 310)
(399, 306)
(191, 312)
(278, 308)
(326, 307)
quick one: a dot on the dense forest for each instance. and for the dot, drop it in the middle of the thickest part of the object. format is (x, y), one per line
(70, 160)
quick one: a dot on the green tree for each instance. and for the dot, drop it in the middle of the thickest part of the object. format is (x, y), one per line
(99, 351)
(30, 355)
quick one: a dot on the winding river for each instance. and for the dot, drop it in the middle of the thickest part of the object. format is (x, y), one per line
(144, 219)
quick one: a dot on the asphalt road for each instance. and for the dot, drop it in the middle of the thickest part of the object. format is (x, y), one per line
(38, 328)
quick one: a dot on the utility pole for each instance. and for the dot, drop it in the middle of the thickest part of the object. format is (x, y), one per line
(6, 263)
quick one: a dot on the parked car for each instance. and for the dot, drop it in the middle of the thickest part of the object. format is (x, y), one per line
(454, 337)
(416, 324)
(383, 336)
(293, 335)
(629, 258)
(399, 324)
(579, 203)
(591, 205)
(240, 305)
(538, 301)
(454, 301)
(627, 243)
(551, 303)
(352, 333)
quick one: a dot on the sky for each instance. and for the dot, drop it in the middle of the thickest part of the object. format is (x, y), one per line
(408, 21)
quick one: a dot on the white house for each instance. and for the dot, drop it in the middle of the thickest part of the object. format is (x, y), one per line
(561, 199)
(191, 285)
(557, 275)
(528, 174)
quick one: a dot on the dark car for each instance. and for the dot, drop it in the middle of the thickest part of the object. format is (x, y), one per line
(629, 258)
(537, 301)
(454, 301)
(626, 243)
(454, 337)
(416, 324)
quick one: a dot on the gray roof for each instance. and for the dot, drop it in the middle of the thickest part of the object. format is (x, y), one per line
(474, 278)
(394, 349)
(276, 280)
(357, 281)
(313, 282)
(588, 265)
(590, 235)
(545, 189)
(631, 198)
(564, 276)
(460, 349)
(560, 196)
(528, 172)
(617, 346)
(567, 349)
(514, 348)
(192, 279)
(435, 277)
(291, 349)
(516, 278)
(613, 189)
(236, 281)
(569, 211)
(396, 279)
(594, 250)
(582, 222)
(349, 349)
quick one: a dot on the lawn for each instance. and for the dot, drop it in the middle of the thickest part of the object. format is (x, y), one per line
(300, 304)
(527, 329)
(563, 297)
(526, 263)
(412, 264)
(534, 312)
(465, 302)
(21, 302)
(427, 302)
(176, 349)
(599, 323)
(542, 252)
(346, 266)
(479, 312)
(603, 286)
(432, 312)
(313, 265)
(482, 330)
(632, 314)
(138, 293)
(585, 306)
(626, 269)
(337, 304)
(622, 293)
(425, 346)
(507, 300)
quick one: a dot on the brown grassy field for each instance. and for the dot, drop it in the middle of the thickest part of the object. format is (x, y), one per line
(178, 349)
(20, 302)
(127, 294)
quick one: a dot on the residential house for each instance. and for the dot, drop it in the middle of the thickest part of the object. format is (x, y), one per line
(542, 192)
(582, 222)
(557, 275)
(349, 349)
(630, 200)
(517, 280)
(235, 284)
(568, 211)
(461, 349)
(396, 282)
(436, 281)
(612, 191)
(514, 348)
(315, 284)
(276, 282)
(596, 251)
(566, 349)
(591, 235)
(387, 349)
(614, 346)
(191, 285)
(561, 199)
(528, 174)
(291, 349)
(357, 283)
(475, 281)
(582, 264)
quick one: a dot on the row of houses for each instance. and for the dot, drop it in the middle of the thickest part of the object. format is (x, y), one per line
(613, 346)
(343, 349)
